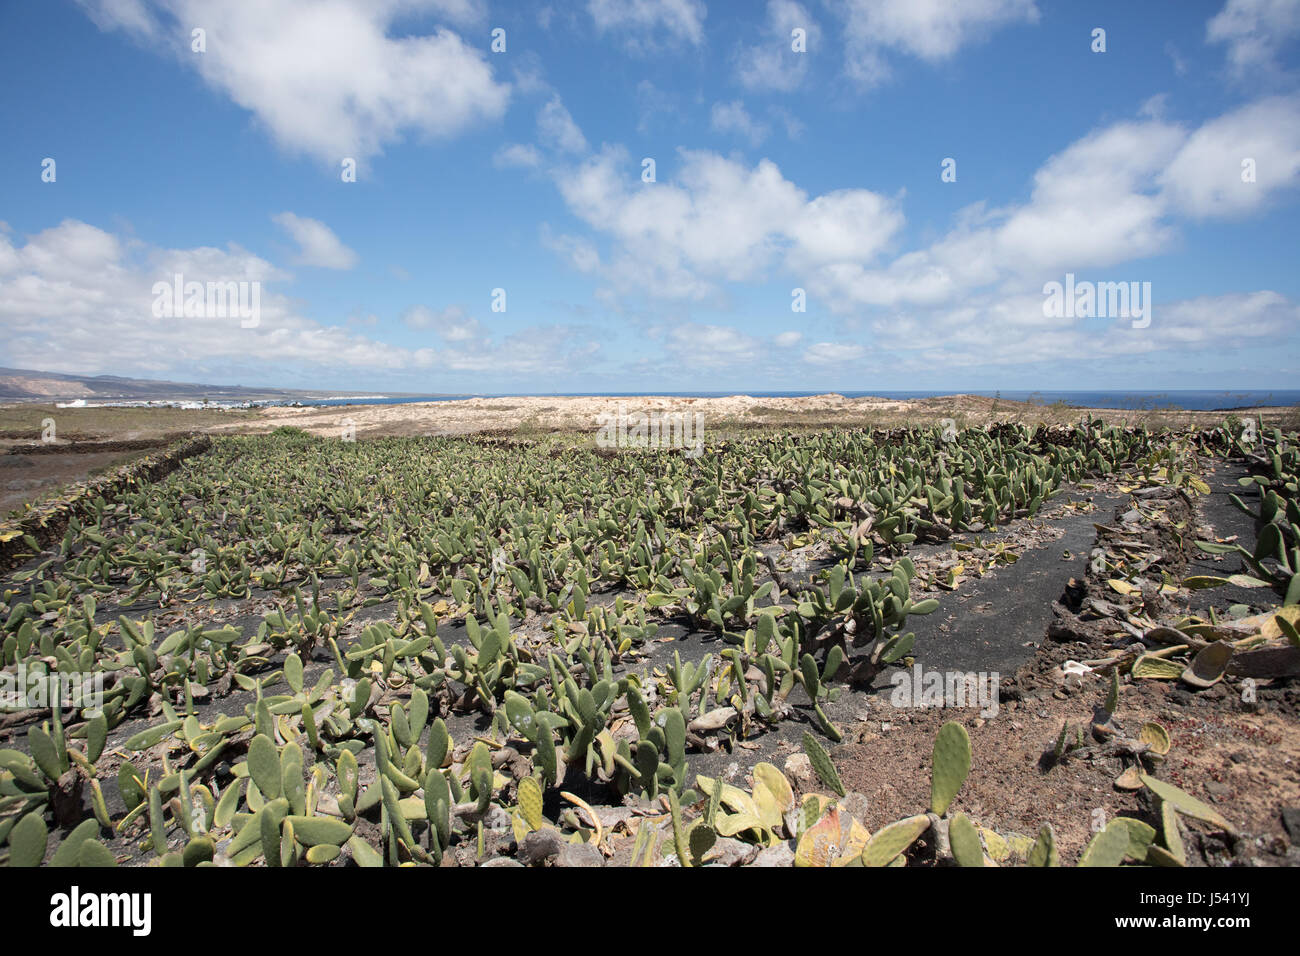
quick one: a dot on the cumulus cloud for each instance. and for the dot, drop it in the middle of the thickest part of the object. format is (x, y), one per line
(932, 30)
(1114, 196)
(1206, 177)
(317, 244)
(328, 79)
(973, 296)
(1006, 331)
(699, 345)
(79, 299)
(1254, 32)
(719, 219)
(772, 63)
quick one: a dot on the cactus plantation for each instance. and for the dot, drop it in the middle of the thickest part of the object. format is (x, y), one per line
(294, 651)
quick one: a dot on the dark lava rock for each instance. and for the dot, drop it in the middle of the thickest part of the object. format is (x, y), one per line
(539, 846)
(1291, 821)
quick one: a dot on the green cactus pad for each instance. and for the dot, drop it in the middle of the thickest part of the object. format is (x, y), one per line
(965, 841)
(313, 831)
(890, 841)
(264, 766)
(821, 763)
(28, 840)
(951, 765)
(530, 803)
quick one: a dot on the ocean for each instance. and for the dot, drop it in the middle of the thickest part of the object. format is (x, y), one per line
(1189, 399)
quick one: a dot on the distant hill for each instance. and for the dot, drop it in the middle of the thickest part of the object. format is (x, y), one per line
(26, 385)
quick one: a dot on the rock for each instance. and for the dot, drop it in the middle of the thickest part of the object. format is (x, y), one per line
(857, 804)
(539, 846)
(502, 861)
(1291, 821)
(779, 855)
(579, 854)
(798, 769)
(1219, 791)
(464, 855)
(611, 817)
(729, 852)
(713, 721)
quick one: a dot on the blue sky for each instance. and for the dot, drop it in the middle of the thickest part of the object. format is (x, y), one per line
(775, 170)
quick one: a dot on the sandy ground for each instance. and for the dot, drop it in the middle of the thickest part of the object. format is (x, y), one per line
(30, 477)
(735, 412)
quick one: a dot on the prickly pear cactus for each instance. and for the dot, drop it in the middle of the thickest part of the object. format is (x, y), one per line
(821, 763)
(27, 841)
(965, 840)
(951, 765)
(530, 803)
(890, 841)
(1044, 852)
(837, 839)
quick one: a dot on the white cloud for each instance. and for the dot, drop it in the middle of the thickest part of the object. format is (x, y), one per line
(733, 118)
(1205, 178)
(717, 220)
(653, 103)
(833, 353)
(1093, 204)
(640, 22)
(556, 128)
(517, 155)
(772, 63)
(849, 225)
(327, 79)
(932, 30)
(696, 345)
(1254, 32)
(548, 351)
(317, 244)
(78, 299)
(452, 324)
(789, 339)
(580, 253)
(1008, 331)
